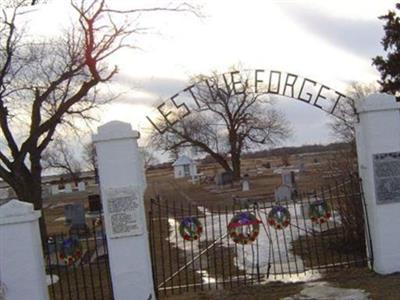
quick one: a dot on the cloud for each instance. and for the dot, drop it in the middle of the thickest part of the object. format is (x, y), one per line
(148, 91)
(359, 36)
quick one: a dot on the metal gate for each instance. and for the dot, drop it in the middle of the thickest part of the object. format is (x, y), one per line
(303, 248)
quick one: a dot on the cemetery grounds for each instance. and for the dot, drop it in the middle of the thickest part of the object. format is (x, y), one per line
(94, 279)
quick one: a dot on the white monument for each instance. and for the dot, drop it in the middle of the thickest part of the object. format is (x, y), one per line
(378, 148)
(122, 186)
(22, 271)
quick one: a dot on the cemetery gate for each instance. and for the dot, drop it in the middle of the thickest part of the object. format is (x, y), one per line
(195, 247)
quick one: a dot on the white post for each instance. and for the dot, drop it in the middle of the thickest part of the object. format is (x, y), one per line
(122, 186)
(378, 148)
(22, 271)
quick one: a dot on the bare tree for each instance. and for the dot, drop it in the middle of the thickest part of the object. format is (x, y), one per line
(225, 121)
(89, 157)
(149, 157)
(343, 127)
(45, 84)
(60, 157)
(344, 162)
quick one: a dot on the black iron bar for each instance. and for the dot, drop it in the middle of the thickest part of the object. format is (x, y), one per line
(200, 260)
(185, 258)
(98, 266)
(50, 268)
(221, 246)
(176, 244)
(89, 261)
(299, 237)
(329, 229)
(160, 232)
(214, 251)
(60, 281)
(192, 254)
(292, 237)
(169, 245)
(205, 229)
(187, 264)
(81, 263)
(67, 273)
(341, 219)
(335, 225)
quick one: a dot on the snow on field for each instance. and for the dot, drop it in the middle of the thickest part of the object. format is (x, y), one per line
(271, 243)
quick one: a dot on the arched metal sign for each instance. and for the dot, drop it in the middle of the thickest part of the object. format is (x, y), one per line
(263, 82)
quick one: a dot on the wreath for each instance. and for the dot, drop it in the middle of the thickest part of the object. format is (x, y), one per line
(71, 251)
(190, 229)
(319, 212)
(244, 228)
(279, 217)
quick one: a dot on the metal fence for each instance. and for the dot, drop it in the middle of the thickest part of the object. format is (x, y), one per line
(308, 244)
(77, 265)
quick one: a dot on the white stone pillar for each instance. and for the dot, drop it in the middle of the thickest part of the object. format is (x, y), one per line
(22, 268)
(122, 186)
(378, 145)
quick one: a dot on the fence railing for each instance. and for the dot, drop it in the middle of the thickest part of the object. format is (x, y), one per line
(77, 264)
(213, 259)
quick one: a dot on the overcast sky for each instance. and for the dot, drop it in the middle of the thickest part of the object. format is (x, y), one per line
(331, 42)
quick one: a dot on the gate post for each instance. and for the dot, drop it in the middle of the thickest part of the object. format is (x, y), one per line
(22, 268)
(378, 149)
(122, 186)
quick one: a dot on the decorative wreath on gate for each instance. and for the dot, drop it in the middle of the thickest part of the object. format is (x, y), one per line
(319, 212)
(244, 228)
(279, 217)
(71, 250)
(190, 229)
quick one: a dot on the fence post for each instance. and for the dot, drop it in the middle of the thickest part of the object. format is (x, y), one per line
(122, 186)
(378, 149)
(22, 271)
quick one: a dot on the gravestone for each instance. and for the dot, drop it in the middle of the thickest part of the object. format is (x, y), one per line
(94, 203)
(81, 186)
(288, 178)
(68, 208)
(283, 193)
(78, 219)
(224, 178)
(245, 183)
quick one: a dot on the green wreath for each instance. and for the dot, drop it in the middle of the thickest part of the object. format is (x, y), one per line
(71, 251)
(190, 229)
(279, 217)
(319, 212)
(244, 228)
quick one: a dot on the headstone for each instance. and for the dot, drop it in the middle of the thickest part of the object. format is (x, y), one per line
(68, 188)
(68, 213)
(224, 178)
(81, 186)
(245, 183)
(94, 203)
(287, 179)
(283, 193)
(78, 219)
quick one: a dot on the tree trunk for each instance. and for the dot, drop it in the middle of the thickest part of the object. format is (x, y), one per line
(236, 166)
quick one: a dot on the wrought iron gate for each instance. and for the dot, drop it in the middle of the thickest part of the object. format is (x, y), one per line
(214, 260)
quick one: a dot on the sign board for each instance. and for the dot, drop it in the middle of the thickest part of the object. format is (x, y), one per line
(387, 177)
(123, 212)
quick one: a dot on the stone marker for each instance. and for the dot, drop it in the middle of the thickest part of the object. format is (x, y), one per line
(283, 193)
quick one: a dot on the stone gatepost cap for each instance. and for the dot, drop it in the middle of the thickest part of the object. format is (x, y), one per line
(15, 211)
(377, 102)
(115, 130)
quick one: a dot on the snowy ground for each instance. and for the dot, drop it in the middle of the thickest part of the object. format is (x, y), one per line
(271, 243)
